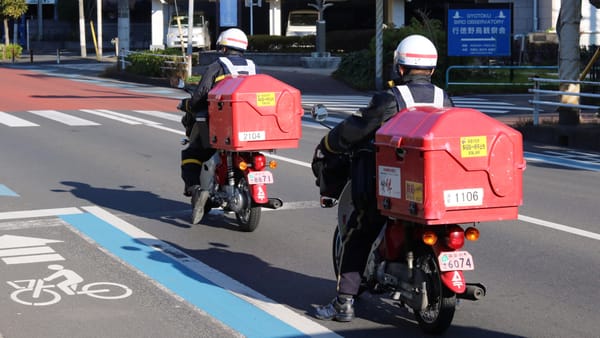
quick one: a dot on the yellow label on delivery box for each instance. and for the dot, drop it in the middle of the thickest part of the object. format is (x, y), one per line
(414, 191)
(473, 146)
(265, 99)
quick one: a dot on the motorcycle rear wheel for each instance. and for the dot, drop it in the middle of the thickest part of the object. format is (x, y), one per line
(249, 217)
(438, 315)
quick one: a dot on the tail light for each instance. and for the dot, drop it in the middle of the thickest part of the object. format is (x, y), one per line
(429, 237)
(472, 234)
(260, 162)
(456, 237)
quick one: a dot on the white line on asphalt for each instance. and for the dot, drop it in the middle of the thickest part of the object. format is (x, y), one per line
(38, 213)
(63, 118)
(13, 121)
(290, 160)
(560, 227)
(159, 114)
(268, 305)
(101, 112)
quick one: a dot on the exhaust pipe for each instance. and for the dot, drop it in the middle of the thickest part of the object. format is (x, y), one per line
(474, 291)
(273, 203)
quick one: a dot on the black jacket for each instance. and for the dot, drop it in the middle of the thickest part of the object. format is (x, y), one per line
(359, 129)
(213, 74)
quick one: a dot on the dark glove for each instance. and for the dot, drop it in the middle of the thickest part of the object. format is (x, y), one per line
(319, 158)
(189, 118)
(331, 171)
(184, 105)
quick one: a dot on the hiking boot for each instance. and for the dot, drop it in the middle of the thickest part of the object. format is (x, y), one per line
(199, 198)
(340, 309)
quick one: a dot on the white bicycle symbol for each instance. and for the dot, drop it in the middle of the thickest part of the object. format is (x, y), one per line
(36, 292)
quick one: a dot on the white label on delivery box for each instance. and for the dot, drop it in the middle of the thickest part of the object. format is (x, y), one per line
(389, 182)
(463, 197)
(248, 136)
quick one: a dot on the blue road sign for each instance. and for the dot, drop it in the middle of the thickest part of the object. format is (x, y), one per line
(228, 13)
(479, 31)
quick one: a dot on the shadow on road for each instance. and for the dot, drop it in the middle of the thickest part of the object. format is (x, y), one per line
(131, 201)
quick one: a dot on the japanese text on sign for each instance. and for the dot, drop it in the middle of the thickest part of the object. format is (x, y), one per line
(265, 99)
(479, 32)
(473, 146)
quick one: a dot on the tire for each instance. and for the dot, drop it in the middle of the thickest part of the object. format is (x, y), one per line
(438, 315)
(249, 217)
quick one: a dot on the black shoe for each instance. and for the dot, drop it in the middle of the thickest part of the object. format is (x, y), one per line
(340, 309)
(199, 198)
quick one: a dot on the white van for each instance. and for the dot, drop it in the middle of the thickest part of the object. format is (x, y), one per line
(302, 22)
(200, 37)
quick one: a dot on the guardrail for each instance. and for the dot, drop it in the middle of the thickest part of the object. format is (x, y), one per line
(537, 93)
(479, 83)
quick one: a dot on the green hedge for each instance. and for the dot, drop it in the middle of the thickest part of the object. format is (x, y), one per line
(11, 51)
(149, 63)
(358, 68)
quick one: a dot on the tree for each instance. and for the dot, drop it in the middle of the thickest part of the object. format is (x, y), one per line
(567, 27)
(11, 9)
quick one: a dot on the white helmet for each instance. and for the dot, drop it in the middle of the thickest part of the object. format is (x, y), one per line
(233, 38)
(415, 51)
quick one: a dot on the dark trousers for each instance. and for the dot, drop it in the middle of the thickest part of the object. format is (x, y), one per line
(197, 152)
(364, 226)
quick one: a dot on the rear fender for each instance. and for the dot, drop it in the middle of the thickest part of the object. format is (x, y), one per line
(259, 193)
(454, 280)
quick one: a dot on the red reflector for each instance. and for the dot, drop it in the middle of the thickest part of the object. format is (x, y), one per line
(260, 162)
(456, 237)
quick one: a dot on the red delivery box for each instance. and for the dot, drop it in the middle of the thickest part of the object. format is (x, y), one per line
(254, 112)
(451, 165)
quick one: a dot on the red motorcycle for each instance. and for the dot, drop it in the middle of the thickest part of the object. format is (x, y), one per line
(239, 185)
(426, 188)
(249, 114)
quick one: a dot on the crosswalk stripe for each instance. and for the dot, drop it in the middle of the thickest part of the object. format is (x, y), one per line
(13, 121)
(128, 117)
(166, 116)
(99, 112)
(69, 120)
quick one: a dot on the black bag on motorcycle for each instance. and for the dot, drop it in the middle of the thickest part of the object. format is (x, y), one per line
(332, 173)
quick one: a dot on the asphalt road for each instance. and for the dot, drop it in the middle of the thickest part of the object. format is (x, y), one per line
(106, 197)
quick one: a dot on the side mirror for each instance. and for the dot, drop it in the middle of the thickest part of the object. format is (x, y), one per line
(319, 112)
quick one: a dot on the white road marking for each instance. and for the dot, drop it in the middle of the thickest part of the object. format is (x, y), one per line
(13, 121)
(560, 227)
(251, 296)
(63, 118)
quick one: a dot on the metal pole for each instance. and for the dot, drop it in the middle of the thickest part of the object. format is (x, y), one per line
(99, 29)
(82, 42)
(251, 17)
(536, 98)
(378, 44)
(190, 39)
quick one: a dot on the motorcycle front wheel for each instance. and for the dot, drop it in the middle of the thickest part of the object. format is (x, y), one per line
(249, 216)
(438, 315)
